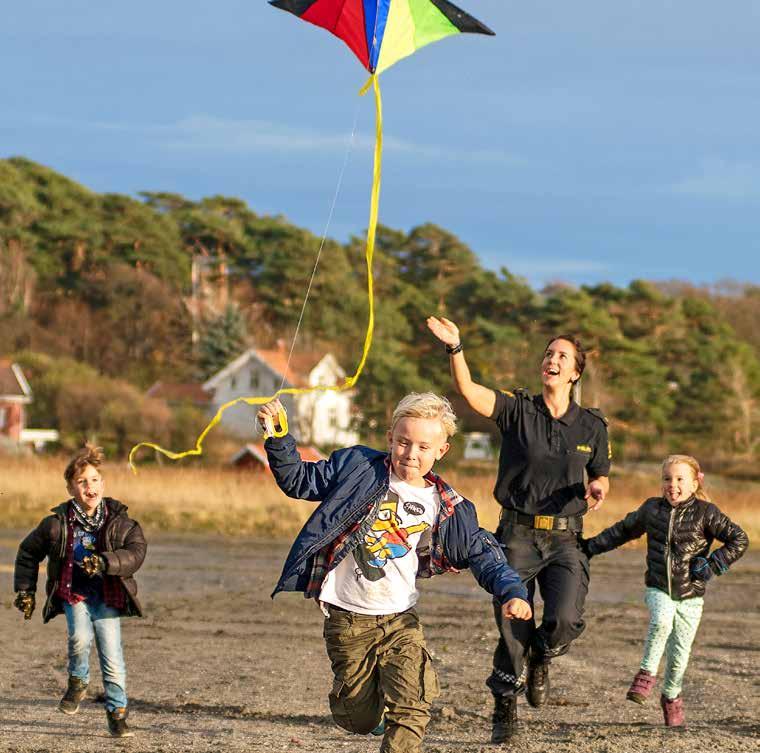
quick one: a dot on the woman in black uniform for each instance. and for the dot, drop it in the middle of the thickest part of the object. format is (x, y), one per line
(548, 443)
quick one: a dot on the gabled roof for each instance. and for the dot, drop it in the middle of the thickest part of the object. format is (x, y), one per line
(13, 384)
(175, 392)
(257, 451)
(276, 360)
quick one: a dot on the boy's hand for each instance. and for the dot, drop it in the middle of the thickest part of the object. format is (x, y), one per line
(269, 412)
(24, 602)
(93, 565)
(516, 609)
(446, 331)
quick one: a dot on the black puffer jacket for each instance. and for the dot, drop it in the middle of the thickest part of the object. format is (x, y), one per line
(120, 542)
(675, 536)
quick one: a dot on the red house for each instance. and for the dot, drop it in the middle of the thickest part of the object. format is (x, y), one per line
(15, 394)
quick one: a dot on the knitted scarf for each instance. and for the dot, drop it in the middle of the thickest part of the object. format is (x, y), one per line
(90, 524)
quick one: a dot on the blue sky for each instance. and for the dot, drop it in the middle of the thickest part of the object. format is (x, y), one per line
(585, 142)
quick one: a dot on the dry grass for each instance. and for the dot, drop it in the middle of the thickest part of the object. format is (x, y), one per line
(199, 499)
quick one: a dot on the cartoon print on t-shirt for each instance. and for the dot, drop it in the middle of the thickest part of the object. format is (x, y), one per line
(84, 545)
(386, 540)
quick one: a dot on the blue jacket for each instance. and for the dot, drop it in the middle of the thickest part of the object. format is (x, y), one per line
(351, 483)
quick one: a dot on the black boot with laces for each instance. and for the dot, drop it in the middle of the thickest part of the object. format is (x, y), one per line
(538, 682)
(504, 719)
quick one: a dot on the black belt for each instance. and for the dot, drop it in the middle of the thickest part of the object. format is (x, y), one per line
(544, 522)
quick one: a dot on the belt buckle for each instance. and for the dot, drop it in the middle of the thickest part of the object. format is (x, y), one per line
(543, 522)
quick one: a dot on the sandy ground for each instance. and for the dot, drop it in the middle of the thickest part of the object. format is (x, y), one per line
(217, 666)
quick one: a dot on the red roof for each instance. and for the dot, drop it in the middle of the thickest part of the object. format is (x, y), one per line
(256, 450)
(9, 382)
(300, 364)
(175, 392)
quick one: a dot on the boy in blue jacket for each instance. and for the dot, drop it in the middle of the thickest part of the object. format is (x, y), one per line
(385, 519)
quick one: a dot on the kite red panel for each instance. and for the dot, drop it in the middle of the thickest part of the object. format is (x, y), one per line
(345, 19)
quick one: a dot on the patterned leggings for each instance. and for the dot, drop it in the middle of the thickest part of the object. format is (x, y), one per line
(672, 627)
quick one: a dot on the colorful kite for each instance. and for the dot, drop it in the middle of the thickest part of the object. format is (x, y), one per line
(379, 33)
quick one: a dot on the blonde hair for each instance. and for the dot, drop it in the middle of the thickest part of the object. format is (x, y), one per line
(426, 405)
(88, 455)
(700, 493)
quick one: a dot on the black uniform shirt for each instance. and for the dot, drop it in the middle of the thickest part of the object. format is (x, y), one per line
(542, 458)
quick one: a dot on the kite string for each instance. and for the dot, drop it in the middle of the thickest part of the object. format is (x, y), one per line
(346, 157)
(349, 381)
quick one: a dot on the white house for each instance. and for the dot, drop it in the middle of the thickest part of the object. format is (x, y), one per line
(477, 446)
(321, 418)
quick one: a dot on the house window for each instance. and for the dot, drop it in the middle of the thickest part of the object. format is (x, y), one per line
(233, 382)
(3, 418)
(332, 417)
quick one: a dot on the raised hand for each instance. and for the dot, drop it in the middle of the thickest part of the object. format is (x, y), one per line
(268, 415)
(444, 329)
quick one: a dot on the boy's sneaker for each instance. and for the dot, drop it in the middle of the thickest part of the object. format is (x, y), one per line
(672, 710)
(504, 719)
(379, 730)
(641, 686)
(117, 723)
(75, 692)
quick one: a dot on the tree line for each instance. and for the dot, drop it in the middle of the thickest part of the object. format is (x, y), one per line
(103, 294)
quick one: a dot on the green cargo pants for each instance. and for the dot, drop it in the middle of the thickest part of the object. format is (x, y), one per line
(380, 662)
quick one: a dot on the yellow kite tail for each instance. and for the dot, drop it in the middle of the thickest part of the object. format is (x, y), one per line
(350, 381)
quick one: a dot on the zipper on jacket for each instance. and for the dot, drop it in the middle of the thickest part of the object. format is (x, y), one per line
(669, 548)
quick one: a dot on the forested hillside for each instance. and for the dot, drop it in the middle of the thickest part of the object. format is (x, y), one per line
(102, 294)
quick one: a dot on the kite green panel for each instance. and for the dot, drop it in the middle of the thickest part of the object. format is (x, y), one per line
(430, 24)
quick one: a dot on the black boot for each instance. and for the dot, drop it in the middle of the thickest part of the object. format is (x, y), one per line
(504, 718)
(538, 682)
(75, 692)
(117, 723)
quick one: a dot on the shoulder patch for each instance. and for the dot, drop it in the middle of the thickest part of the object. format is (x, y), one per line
(598, 414)
(516, 392)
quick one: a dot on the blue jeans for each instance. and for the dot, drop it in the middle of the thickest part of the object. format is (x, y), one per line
(92, 618)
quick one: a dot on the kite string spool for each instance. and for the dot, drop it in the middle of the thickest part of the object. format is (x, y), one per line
(349, 381)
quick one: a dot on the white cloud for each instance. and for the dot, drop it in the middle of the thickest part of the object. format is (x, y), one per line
(208, 133)
(720, 179)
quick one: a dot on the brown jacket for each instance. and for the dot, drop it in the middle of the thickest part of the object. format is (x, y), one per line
(120, 542)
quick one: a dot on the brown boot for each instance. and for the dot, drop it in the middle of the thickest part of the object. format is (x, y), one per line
(117, 723)
(75, 692)
(504, 719)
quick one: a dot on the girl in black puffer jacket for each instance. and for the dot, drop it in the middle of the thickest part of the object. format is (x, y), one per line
(681, 526)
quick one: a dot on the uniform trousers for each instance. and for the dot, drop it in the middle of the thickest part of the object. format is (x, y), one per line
(554, 561)
(380, 666)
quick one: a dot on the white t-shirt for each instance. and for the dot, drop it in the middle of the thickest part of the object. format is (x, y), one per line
(379, 576)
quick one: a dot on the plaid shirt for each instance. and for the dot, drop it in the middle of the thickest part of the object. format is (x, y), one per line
(113, 591)
(344, 543)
